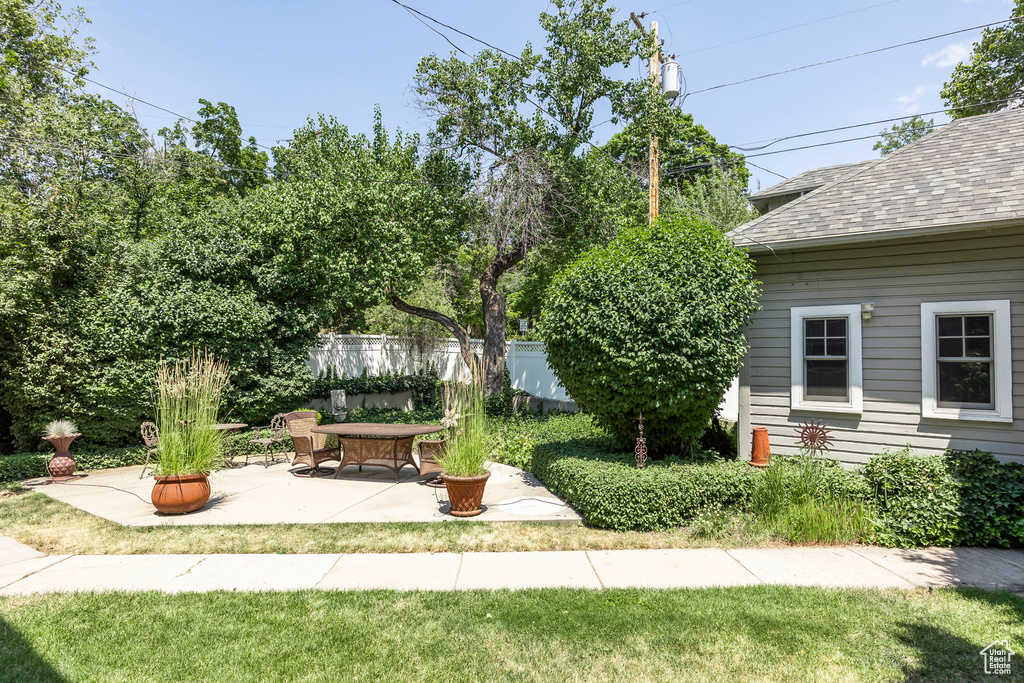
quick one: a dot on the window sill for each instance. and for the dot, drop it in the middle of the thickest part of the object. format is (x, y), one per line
(965, 415)
(824, 407)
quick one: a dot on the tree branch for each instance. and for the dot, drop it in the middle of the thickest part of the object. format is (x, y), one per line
(465, 343)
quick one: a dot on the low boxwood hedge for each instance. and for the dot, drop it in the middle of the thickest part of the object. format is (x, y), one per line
(611, 492)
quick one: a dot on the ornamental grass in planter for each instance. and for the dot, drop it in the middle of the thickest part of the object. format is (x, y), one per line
(188, 399)
(468, 449)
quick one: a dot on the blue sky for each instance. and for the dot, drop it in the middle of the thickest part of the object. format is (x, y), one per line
(278, 62)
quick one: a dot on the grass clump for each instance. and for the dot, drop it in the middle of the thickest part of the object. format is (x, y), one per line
(188, 399)
(811, 500)
(468, 449)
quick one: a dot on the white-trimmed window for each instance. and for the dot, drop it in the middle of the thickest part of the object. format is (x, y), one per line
(825, 359)
(966, 370)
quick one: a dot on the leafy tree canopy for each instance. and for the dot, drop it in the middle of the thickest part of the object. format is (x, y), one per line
(993, 78)
(902, 134)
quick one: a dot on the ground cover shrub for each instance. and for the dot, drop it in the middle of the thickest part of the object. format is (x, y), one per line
(651, 323)
(991, 505)
(23, 466)
(958, 498)
(916, 498)
(30, 465)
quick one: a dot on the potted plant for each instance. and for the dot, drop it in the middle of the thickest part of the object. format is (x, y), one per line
(464, 462)
(61, 433)
(188, 398)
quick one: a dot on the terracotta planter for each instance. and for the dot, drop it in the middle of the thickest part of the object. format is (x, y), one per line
(61, 465)
(175, 495)
(466, 494)
(761, 454)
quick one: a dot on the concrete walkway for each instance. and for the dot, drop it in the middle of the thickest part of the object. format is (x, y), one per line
(24, 571)
(272, 495)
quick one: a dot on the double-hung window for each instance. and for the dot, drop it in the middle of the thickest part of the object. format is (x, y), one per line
(965, 361)
(825, 359)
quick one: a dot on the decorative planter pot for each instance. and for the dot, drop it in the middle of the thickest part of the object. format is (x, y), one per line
(761, 454)
(61, 465)
(466, 494)
(177, 494)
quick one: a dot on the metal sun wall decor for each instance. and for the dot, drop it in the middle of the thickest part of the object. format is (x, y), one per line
(814, 436)
(641, 446)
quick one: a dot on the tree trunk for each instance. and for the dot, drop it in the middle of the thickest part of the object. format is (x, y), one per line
(493, 305)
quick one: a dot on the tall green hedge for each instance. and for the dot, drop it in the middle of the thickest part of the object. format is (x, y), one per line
(652, 323)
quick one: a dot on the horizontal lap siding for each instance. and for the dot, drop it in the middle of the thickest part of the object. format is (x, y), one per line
(896, 277)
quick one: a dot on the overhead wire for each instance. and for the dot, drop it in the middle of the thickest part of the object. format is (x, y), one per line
(870, 123)
(134, 98)
(852, 56)
(787, 28)
(531, 101)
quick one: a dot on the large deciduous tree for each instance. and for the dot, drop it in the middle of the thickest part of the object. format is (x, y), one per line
(993, 78)
(527, 124)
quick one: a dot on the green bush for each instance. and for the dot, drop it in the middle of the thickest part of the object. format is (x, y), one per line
(611, 492)
(653, 323)
(30, 465)
(23, 466)
(991, 506)
(916, 497)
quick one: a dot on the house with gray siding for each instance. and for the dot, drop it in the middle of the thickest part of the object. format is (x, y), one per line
(893, 299)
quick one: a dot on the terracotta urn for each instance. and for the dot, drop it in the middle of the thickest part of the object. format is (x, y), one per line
(180, 493)
(61, 465)
(466, 494)
(761, 454)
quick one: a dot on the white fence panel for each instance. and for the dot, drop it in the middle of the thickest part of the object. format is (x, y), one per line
(528, 368)
(378, 354)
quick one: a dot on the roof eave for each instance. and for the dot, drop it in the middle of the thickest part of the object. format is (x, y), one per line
(840, 240)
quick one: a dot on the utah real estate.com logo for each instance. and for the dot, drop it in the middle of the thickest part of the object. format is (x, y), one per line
(997, 657)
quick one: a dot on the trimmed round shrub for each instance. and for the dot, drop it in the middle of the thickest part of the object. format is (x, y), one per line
(652, 323)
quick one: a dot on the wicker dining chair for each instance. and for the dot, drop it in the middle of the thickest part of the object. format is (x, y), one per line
(309, 446)
(150, 437)
(429, 452)
(278, 429)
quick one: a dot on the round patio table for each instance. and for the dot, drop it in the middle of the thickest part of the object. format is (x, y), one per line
(384, 445)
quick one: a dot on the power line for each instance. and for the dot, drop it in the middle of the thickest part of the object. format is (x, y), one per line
(870, 123)
(788, 28)
(414, 12)
(858, 54)
(751, 163)
(133, 98)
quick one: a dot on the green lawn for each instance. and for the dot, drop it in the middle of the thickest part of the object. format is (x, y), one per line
(56, 528)
(738, 634)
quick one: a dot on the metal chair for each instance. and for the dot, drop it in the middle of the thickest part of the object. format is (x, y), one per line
(150, 437)
(278, 428)
(429, 452)
(309, 446)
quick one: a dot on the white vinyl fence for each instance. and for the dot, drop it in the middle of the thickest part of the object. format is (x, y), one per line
(379, 354)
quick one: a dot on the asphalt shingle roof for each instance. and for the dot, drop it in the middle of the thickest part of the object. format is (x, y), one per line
(810, 180)
(969, 172)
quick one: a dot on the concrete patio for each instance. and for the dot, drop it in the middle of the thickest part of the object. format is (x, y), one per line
(255, 494)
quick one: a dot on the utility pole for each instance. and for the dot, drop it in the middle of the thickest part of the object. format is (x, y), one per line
(653, 166)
